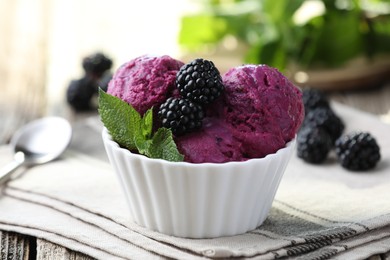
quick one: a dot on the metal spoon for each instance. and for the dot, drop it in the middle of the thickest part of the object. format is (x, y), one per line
(38, 142)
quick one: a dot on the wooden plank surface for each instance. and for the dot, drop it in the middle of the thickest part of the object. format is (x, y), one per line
(16, 246)
(374, 100)
(48, 251)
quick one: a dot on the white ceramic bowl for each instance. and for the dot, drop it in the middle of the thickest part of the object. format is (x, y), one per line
(198, 200)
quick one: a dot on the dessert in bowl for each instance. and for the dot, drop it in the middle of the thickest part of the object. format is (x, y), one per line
(228, 155)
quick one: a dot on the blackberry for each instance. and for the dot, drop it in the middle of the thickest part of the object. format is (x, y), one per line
(199, 81)
(313, 98)
(358, 151)
(180, 115)
(97, 64)
(325, 118)
(80, 92)
(104, 80)
(313, 144)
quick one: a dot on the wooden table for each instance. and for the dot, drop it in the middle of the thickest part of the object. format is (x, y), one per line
(87, 139)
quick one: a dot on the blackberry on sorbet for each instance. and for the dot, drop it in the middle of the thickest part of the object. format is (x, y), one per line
(181, 115)
(199, 81)
(358, 151)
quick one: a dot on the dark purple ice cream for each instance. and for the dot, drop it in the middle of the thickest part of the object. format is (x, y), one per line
(213, 143)
(146, 81)
(257, 114)
(264, 108)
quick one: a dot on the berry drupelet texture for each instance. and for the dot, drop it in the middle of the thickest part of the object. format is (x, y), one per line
(199, 81)
(358, 151)
(314, 98)
(181, 115)
(313, 144)
(325, 118)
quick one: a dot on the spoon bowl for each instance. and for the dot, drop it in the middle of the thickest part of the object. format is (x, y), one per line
(38, 142)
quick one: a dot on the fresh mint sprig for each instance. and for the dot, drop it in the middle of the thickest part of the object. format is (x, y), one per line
(134, 132)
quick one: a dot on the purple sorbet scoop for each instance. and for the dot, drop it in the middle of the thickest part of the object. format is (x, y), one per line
(145, 82)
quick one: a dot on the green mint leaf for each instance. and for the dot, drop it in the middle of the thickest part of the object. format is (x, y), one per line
(131, 131)
(147, 124)
(164, 147)
(143, 145)
(122, 121)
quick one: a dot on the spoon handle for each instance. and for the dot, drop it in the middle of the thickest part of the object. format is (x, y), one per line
(6, 171)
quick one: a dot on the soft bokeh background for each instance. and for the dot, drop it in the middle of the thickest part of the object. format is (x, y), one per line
(43, 42)
(328, 44)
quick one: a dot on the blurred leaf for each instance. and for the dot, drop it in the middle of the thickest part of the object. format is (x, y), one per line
(330, 40)
(201, 29)
(380, 37)
(309, 41)
(271, 53)
(281, 10)
(340, 38)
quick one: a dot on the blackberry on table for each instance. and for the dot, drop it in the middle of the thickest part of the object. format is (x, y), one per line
(97, 64)
(325, 118)
(180, 115)
(80, 92)
(313, 144)
(358, 151)
(313, 98)
(104, 81)
(199, 81)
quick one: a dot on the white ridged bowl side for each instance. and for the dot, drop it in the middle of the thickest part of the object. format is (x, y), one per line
(198, 200)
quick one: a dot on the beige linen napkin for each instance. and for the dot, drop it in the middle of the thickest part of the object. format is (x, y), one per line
(319, 212)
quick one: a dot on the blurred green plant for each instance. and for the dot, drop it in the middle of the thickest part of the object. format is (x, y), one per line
(276, 33)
